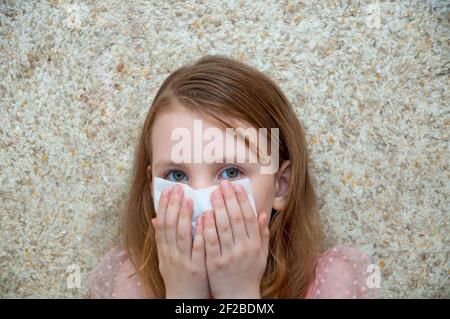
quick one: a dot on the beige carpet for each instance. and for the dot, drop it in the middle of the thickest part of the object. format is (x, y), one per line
(370, 81)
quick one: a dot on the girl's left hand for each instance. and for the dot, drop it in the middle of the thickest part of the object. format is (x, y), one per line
(236, 243)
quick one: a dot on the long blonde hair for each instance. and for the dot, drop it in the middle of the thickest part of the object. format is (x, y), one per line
(219, 88)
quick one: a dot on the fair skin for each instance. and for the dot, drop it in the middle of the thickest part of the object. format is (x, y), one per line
(228, 255)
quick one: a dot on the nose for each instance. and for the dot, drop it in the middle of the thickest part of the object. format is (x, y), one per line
(197, 183)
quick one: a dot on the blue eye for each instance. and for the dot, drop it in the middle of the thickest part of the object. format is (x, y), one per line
(231, 172)
(177, 176)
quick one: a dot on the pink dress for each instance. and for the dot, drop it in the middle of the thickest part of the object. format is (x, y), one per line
(341, 273)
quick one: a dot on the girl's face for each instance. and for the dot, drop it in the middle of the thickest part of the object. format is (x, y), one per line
(269, 190)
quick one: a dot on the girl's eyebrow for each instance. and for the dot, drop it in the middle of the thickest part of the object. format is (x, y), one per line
(168, 163)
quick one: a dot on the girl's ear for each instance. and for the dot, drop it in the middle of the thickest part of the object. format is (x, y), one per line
(149, 178)
(282, 178)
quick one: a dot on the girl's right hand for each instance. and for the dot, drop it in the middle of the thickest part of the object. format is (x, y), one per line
(181, 261)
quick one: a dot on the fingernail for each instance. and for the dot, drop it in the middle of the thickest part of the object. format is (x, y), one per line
(225, 184)
(238, 188)
(261, 215)
(217, 194)
(165, 192)
(265, 219)
(176, 189)
(200, 222)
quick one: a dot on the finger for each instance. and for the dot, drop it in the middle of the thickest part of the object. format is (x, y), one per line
(159, 244)
(155, 229)
(212, 247)
(171, 221)
(198, 247)
(184, 238)
(250, 219)
(222, 223)
(234, 211)
(160, 231)
(263, 222)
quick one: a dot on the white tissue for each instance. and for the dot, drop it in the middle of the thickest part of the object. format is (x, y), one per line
(201, 198)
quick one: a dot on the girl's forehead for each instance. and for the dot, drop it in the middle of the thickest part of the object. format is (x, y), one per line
(179, 128)
(197, 138)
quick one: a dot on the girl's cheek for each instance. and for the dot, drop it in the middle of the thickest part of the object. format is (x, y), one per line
(263, 202)
(263, 188)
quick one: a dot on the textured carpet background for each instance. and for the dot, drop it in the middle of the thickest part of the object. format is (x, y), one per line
(369, 80)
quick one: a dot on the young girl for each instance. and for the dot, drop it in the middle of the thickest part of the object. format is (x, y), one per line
(275, 252)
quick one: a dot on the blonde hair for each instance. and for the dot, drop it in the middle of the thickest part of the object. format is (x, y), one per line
(220, 88)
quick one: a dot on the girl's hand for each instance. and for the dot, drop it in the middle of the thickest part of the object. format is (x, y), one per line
(181, 260)
(237, 244)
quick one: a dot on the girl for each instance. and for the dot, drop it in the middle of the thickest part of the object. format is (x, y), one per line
(275, 252)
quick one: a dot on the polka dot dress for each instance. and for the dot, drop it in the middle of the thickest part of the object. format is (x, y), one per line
(112, 278)
(341, 273)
